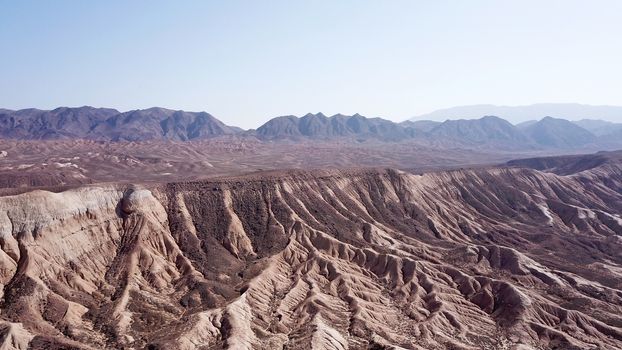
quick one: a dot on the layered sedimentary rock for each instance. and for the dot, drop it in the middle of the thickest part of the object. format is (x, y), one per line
(500, 258)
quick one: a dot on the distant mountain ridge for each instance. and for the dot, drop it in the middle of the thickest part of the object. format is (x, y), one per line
(483, 130)
(518, 114)
(154, 123)
(558, 133)
(322, 127)
(420, 125)
(488, 132)
(599, 127)
(110, 124)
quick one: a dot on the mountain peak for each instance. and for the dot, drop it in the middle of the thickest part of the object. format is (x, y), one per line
(558, 133)
(548, 118)
(491, 117)
(314, 115)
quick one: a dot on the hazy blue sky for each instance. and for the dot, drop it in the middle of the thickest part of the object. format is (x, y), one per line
(246, 61)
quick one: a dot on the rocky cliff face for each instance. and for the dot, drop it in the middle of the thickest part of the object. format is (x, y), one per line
(492, 258)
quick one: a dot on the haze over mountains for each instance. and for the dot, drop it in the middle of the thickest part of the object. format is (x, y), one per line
(518, 114)
(164, 124)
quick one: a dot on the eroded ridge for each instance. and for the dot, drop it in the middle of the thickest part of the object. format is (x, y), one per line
(490, 258)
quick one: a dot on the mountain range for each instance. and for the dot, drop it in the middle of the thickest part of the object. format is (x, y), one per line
(164, 124)
(339, 125)
(110, 124)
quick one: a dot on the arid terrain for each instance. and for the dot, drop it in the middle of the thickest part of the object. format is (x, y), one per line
(69, 162)
(523, 256)
(310, 175)
(77, 145)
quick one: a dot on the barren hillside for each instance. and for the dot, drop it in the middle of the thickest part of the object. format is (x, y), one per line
(498, 258)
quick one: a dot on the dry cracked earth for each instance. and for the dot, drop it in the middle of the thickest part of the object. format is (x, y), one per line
(487, 258)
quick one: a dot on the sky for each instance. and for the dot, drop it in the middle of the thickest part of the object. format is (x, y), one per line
(247, 61)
